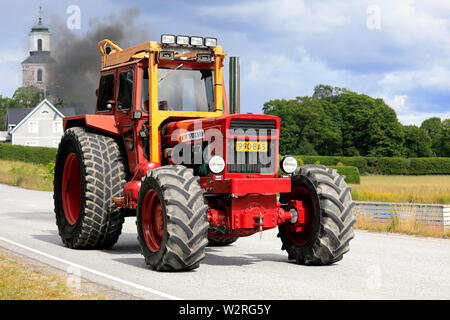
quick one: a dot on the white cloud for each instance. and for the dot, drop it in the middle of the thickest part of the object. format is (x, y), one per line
(397, 103)
(417, 118)
(296, 16)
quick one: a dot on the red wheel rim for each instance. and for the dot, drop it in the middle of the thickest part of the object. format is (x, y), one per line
(152, 220)
(71, 188)
(300, 238)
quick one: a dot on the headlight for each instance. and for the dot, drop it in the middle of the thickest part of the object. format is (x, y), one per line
(216, 164)
(183, 40)
(210, 42)
(167, 39)
(196, 41)
(288, 164)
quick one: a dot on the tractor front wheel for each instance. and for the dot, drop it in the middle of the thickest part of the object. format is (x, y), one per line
(322, 236)
(171, 219)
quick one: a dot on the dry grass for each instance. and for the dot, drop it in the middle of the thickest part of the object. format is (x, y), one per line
(26, 175)
(409, 189)
(19, 283)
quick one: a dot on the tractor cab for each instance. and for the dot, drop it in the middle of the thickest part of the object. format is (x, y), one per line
(149, 85)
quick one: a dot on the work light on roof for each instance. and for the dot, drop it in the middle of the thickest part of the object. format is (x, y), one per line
(168, 39)
(182, 40)
(196, 41)
(210, 42)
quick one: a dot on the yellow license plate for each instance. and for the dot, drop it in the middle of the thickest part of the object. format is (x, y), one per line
(251, 146)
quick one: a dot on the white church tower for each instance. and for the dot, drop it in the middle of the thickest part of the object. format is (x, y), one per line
(35, 67)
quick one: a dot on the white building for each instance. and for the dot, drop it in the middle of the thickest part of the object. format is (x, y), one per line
(39, 126)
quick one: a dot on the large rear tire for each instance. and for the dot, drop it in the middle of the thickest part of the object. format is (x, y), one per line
(214, 241)
(171, 219)
(329, 217)
(89, 172)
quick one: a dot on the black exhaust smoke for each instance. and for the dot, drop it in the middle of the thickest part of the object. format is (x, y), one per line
(75, 75)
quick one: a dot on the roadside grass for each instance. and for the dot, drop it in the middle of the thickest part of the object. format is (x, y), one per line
(17, 282)
(27, 175)
(404, 189)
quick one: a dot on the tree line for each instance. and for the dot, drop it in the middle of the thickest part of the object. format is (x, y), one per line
(338, 122)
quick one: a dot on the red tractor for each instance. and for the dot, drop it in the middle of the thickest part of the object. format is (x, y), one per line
(163, 146)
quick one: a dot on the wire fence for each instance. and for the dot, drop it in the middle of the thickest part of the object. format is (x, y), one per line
(433, 215)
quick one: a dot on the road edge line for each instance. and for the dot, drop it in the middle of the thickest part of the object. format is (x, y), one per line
(101, 274)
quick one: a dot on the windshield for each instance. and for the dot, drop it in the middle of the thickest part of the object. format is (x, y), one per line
(185, 90)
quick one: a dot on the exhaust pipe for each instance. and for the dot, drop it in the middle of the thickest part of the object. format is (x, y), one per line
(235, 84)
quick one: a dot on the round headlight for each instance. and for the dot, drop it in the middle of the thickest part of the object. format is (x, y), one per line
(216, 164)
(288, 164)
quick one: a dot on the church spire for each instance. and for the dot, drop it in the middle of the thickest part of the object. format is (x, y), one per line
(40, 14)
(39, 27)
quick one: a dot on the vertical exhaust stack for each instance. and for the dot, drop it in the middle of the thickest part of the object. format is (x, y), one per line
(235, 84)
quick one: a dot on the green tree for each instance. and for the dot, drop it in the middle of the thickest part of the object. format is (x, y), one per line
(386, 132)
(327, 92)
(445, 140)
(28, 97)
(305, 126)
(417, 142)
(369, 126)
(5, 104)
(356, 111)
(435, 130)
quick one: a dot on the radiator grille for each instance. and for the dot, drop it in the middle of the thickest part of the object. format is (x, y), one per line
(252, 162)
(265, 127)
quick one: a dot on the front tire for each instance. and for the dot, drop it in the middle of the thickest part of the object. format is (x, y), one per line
(89, 172)
(329, 217)
(171, 219)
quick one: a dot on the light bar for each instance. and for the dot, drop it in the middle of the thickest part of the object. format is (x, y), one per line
(167, 39)
(210, 42)
(183, 40)
(196, 41)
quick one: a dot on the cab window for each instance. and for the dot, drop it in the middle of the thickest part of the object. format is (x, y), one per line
(125, 96)
(144, 90)
(185, 89)
(105, 92)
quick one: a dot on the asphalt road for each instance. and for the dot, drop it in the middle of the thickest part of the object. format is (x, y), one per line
(378, 266)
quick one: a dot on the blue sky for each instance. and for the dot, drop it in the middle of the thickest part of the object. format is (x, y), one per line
(395, 50)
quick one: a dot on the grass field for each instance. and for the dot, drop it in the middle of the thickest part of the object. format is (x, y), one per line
(17, 282)
(411, 189)
(26, 175)
(402, 189)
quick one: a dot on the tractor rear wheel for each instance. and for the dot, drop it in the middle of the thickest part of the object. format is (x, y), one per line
(324, 236)
(89, 172)
(171, 219)
(214, 241)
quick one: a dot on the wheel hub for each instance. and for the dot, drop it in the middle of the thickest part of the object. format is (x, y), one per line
(301, 205)
(71, 188)
(153, 220)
